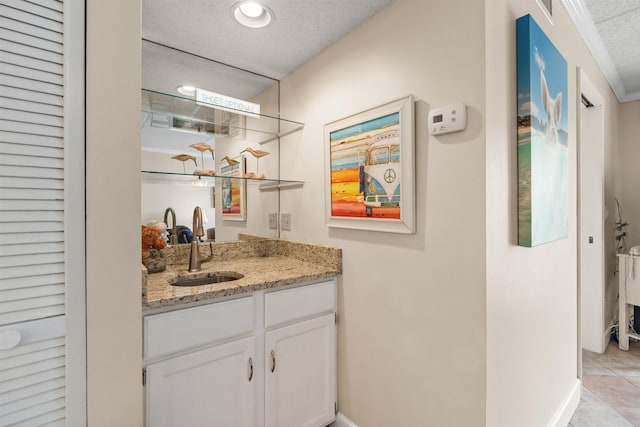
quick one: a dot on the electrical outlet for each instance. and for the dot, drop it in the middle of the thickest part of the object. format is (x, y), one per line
(286, 221)
(273, 220)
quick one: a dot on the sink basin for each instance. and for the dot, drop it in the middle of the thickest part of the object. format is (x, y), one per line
(209, 279)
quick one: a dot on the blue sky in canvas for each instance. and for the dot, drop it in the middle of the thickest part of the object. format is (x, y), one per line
(542, 55)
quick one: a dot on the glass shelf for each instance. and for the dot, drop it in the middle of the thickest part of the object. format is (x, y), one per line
(184, 114)
(263, 184)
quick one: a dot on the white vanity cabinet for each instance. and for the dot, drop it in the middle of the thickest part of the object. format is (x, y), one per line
(300, 356)
(268, 359)
(214, 384)
(200, 365)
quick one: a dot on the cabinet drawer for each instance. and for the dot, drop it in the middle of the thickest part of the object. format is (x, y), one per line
(174, 331)
(297, 303)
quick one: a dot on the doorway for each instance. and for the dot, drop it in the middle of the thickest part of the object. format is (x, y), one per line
(591, 248)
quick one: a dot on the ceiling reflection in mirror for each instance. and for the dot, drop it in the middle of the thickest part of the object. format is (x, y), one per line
(191, 142)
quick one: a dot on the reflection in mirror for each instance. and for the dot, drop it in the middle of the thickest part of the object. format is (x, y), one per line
(180, 137)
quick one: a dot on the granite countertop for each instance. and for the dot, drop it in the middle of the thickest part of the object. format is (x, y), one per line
(265, 264)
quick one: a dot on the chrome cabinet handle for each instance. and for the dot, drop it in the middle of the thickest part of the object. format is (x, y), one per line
(250, 369)
(273, 361)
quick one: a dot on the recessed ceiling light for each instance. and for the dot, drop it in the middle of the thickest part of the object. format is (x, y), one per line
(187, 90)
(252, 14)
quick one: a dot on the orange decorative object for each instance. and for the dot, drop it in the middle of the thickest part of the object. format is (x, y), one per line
(150, 238)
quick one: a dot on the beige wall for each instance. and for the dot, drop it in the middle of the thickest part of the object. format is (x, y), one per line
(451, 326)
(630, 169)
(114, 342)
(411, 348)
(531, 293)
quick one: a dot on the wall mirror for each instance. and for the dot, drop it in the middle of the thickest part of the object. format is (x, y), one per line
(181, 137)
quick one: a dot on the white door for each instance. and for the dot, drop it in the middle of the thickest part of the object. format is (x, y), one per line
(591, 220)
(211, 387)
(41, 213)
(300, 374)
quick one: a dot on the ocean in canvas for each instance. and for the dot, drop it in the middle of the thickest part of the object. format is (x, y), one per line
(549, 189)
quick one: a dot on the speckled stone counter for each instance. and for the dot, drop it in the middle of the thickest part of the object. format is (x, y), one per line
(265, 263)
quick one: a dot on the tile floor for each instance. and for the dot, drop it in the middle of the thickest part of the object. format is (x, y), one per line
(610, 388)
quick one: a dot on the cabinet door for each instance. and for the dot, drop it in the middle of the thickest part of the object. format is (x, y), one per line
(300, 371)
(210, 387)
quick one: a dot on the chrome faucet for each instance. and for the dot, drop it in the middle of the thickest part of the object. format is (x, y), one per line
(173, 240)
(198, 231)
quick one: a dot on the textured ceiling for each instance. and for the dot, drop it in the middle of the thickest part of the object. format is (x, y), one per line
(300, 29)
(618, 23)
(199, 29)
(611, 29)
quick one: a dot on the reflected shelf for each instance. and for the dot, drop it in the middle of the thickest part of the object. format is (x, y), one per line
(263, 184)
(185, 114)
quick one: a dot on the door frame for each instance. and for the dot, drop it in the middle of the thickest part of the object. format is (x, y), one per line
(587, 92)
(74, 213)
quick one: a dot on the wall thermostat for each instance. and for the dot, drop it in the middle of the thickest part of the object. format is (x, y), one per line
(452, 118)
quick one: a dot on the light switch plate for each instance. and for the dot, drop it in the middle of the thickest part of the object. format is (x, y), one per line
(273, 220)
(285, 219)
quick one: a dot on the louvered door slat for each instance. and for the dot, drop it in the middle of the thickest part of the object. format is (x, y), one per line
(36, 205)
(52, 304)
(32, 85)
(31, 128)
(24, 182)
(30, 63)
(18, 239)
(17, 14)
(30, 380)
(32, 292)
(31, 118)
(50, 411)
(26, 315)
(36, 10)
(27, 260)
(26, 172)
(30, 73)
(24, 28)
(29, 95)
(30, 227)
(14, 397)
(25, 282)
(31, 249)
(31, 401)
(32, 52)
(34, 270)
(30, 40)
(31, 194)
(46, 301)
(34, 107)
(40, 345)
(55, 5)
(32, 160)
(32, 357)
(35, 216)
(30, 140)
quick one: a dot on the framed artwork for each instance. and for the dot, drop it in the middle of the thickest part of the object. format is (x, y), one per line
(233, 195)
(369, 169)
(543, 139)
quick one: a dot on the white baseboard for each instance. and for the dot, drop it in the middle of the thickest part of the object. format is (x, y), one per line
(568, 407)
(342, 421)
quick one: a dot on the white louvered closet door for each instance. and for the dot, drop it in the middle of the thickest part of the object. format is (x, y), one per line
(33, 276)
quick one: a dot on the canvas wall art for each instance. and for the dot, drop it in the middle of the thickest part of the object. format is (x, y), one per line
(233, 192)
(543, 154)
(370, 169)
